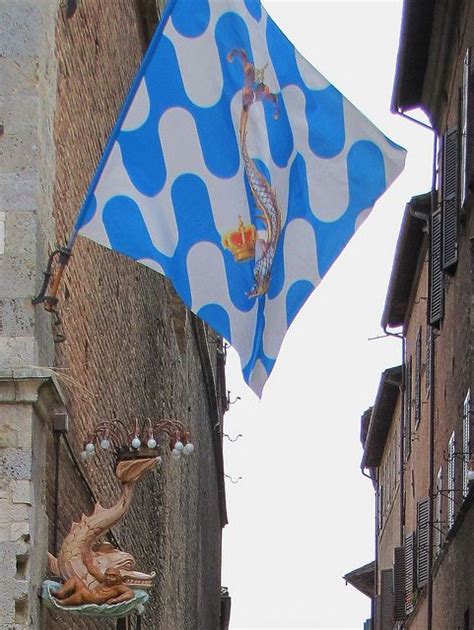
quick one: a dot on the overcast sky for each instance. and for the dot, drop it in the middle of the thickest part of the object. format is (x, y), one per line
(302, 515)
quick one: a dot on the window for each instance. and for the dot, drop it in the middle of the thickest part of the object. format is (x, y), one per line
(380, 508)
(466, 443)
(410, 572)
(451, 492)
(429, 350)
(422, 541)
(449, 191)
(438, 513)
(407, 410)
(418, 378)
(467, 103)
(399, 583)
(386, 593)
(436, 294)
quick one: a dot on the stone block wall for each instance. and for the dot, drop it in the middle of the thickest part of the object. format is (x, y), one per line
(27, 399)
(27, 164)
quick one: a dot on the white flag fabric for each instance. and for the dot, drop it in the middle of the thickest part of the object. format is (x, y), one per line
(238, 171)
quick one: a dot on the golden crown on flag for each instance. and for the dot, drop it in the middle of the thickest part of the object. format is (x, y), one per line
(241, 242)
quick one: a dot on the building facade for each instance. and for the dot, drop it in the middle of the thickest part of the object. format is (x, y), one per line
(419, 448)
(121, 345)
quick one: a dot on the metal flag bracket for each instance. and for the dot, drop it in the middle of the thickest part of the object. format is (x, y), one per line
(52, 280)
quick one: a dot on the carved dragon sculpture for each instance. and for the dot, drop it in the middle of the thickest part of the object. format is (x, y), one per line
(95, 572)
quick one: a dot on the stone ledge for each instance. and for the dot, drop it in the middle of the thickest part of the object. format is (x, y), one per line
(36, 386)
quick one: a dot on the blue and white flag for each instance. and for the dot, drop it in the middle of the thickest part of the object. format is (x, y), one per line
(238, 171)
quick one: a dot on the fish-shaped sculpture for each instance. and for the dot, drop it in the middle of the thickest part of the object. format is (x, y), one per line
(82, 559)
(255, 90)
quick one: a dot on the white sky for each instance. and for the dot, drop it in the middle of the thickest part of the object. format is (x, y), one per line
(302, 515)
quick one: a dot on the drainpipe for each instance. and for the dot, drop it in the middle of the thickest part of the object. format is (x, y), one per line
(434, 202)
(401, 519)
(431, 482)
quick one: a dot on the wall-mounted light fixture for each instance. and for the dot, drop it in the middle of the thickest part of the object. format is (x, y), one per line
(140, 440)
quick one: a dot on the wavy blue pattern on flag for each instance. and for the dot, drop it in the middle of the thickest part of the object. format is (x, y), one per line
(238, 171)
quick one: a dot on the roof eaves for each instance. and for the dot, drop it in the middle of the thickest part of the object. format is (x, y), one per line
(405, 264)
(382, 415)
(364, 425)
(413, 53)
(363, 579)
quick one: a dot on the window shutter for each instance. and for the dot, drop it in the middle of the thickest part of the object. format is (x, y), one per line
(438, 513)
(422, 542)
(429, 350)
(418, 378)
(378, 612)
(467, 113)
(399, 583)
(386, 607)
(410, 568)
(450, 200)
(436, 273)
(451, 479)
(380, 508)
(407, 409)
(466, 440)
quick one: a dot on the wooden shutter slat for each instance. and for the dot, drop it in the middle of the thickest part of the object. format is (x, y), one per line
(378, 612)
(450, 199)
(386, 608)
(467, 113)
(466, 442)
(410, 571)
(451, 479)
(429, 349)
(436, 301)
(407, 408)
(399, 587)
(418, 378)
(438, 508)
(450, 233)
(422, 542)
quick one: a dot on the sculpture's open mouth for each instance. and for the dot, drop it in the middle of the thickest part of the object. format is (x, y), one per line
(132, 470)
(137, 579)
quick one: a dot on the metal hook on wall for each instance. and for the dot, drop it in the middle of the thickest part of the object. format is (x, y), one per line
(233, 439)
(232, 480)
(232, 402)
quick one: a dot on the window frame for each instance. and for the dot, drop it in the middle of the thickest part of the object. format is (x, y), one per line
(451, 481)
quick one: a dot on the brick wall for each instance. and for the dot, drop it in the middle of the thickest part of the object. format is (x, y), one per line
(389, 535)
(417, 477)
(130, 350)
